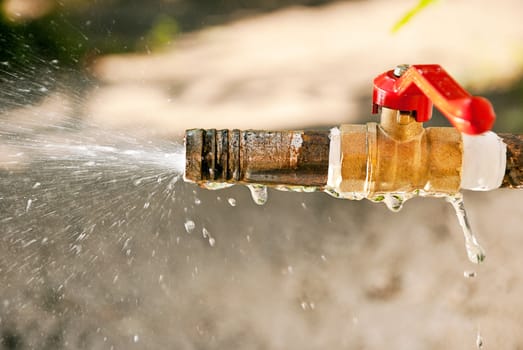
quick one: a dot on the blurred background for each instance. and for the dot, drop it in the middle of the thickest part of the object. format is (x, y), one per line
(101, 247)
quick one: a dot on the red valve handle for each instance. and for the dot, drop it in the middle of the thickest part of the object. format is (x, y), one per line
(422, 85)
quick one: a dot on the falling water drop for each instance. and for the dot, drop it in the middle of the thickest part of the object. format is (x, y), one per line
(189, 226)
(479, 340)
(232, 202)
(207, 235)
(469, 274)
(258, 193)
(475, 252)
(28, 205)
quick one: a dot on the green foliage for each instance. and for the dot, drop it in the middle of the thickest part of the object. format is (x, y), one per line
(163, 32)
(422, 4)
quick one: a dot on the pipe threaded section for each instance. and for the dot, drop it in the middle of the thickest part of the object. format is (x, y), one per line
(295, 158)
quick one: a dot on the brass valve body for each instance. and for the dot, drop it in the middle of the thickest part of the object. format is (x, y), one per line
(374, 161)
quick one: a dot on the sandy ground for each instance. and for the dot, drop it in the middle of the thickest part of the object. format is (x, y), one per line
(95, 264)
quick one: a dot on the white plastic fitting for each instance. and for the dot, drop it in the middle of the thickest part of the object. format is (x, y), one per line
(484, 162)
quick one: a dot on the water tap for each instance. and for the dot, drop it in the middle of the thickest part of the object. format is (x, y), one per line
(396, 155)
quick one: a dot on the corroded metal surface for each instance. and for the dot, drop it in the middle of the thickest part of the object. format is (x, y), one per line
(193, 158)
(514, 169)
(292, 157)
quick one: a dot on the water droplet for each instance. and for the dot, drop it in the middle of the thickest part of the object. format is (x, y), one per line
(307, 305)
(76, 248)
(394, 201)
(207, 234)
(258, 193)
(289, 188)
(28, 205)
(146, 205)
(36, 185)
(189, 226)
(232, 202)
(469, 274)
(216, 185)
(475, 252)
(479, 340)
(136, 338)
(197, 201)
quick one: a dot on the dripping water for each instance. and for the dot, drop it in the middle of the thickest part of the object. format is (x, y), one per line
(479, 340)
(258, 193)
(394, 201)
(475, 252)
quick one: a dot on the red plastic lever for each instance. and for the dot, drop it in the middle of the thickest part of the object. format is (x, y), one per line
(422, 85)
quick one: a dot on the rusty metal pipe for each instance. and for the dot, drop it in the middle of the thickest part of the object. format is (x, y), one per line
(514, 169)
(294, 157)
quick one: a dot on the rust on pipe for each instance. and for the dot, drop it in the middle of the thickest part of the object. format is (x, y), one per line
(291, 157)
(514, 169)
